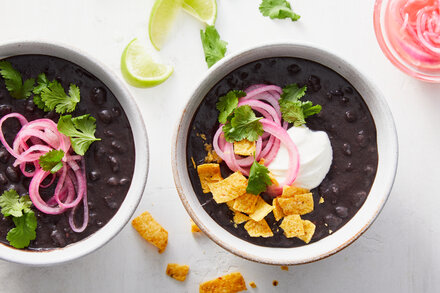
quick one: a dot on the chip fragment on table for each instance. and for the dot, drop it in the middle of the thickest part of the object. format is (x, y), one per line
(151, 230)
(177, 271)
(230, 283)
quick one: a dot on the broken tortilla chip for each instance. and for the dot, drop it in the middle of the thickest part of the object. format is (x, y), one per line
(208, 173)
(292, 226)
(240, 218)
(231, 283)
(246, 203)
(290, 191)
(151, 230)
(299, 204)
(229, 188)
(258, 229)
(309, 230)
(244, 147)
(262, 210)
(177, 271)
(194, 227)
(277, 210)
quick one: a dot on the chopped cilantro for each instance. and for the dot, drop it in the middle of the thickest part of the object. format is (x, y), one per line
(51, 161)
(81, 131)
(55, 98)
(278, 9)
(227, 104)
(243, 125)
(19, 207)
(293, 109)
(213, 47)
(14, 83)
(258, 179)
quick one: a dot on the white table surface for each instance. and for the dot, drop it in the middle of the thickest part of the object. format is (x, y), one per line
(399, 253)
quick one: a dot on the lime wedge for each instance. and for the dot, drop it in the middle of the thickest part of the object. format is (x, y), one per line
(204, 10)
(138, 67)
(162, 18)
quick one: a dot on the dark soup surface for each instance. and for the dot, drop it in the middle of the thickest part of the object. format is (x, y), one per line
(109, 162)
(344, 117)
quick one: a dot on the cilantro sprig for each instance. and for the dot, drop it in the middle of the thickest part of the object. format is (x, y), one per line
(213, 46)
(81, 131)
(42, 83)
(292, 108)
(278, 9)
(14, 83)
(51, 161)
(243, 124)
(54, 97)
(259, 179)
(227, 104)
(19, 207)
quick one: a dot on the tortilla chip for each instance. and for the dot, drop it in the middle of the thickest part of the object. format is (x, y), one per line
(194, 227)
(300, 204)
(277, 210)
(230, 205)
(321, 200)
(284, 268)
(151, 230)
(208, 173)
(246, 203)
(229, 188)
(262, 210)
(240, 218)
(292, 226)
(253, 285)
(290, 191)
(230, 283)
(177, 271)
(258, 229)
(309, 230)
(244, 147)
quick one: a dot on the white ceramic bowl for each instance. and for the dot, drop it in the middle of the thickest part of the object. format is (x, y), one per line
(386, 143)
(118, 88)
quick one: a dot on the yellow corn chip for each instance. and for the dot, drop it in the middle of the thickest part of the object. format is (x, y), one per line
(300, 204)
(292, 226)
(262, 210)
(194, 227)
(230, 283)
(151, 230)
(277, 210)
(284, 268)
(253, 285)
(229, 188)
(246, 203)
(321, 200)
(258, 229)
(309, 230)
(177, 271)
(240, 218)
(290, 191)
(208, 173)
(244, 147)
(230, 205)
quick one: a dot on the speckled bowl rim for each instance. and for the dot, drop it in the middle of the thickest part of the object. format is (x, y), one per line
(387, 150)
(134, 194)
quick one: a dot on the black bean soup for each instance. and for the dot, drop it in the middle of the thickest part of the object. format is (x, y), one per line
(344, 117)
(109, 162)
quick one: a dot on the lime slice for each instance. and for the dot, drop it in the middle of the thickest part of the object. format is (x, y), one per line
(204, 10)
(162, 18)
(138, 67)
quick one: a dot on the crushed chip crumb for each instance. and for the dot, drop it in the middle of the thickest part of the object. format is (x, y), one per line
(194, 163)
(275, 283)
(229, 188)
(277, 210)
(262, 210)
(321, 200)
(246, 203)
(240, 218)
(292, 226)
(290, 191)
(284, 268)
(231, 283)
(208, 173)
(211, 155)
(299, 204)
(244, 147)
(194, 227)
(258, 229)
(309, 230)
(177, 271)
(253, 285)
(201, 135)
(151, 230)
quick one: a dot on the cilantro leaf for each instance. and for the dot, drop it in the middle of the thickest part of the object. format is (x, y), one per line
(24, 231)
(258, 179)
(81, 131)
(227, 104)
(293, 109)
(14, 83)
(51, 161)
(42, 83)
(243, 125)
(278, 9)
(13, 205)
(55, 98)
(213, 47)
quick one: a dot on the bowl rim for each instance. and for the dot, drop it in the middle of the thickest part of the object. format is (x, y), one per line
(134, 194)
(187, 194)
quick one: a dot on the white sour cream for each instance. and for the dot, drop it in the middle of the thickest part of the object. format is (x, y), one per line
(315, 157)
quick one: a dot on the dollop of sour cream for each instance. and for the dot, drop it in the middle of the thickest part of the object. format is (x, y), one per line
(315, 157)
